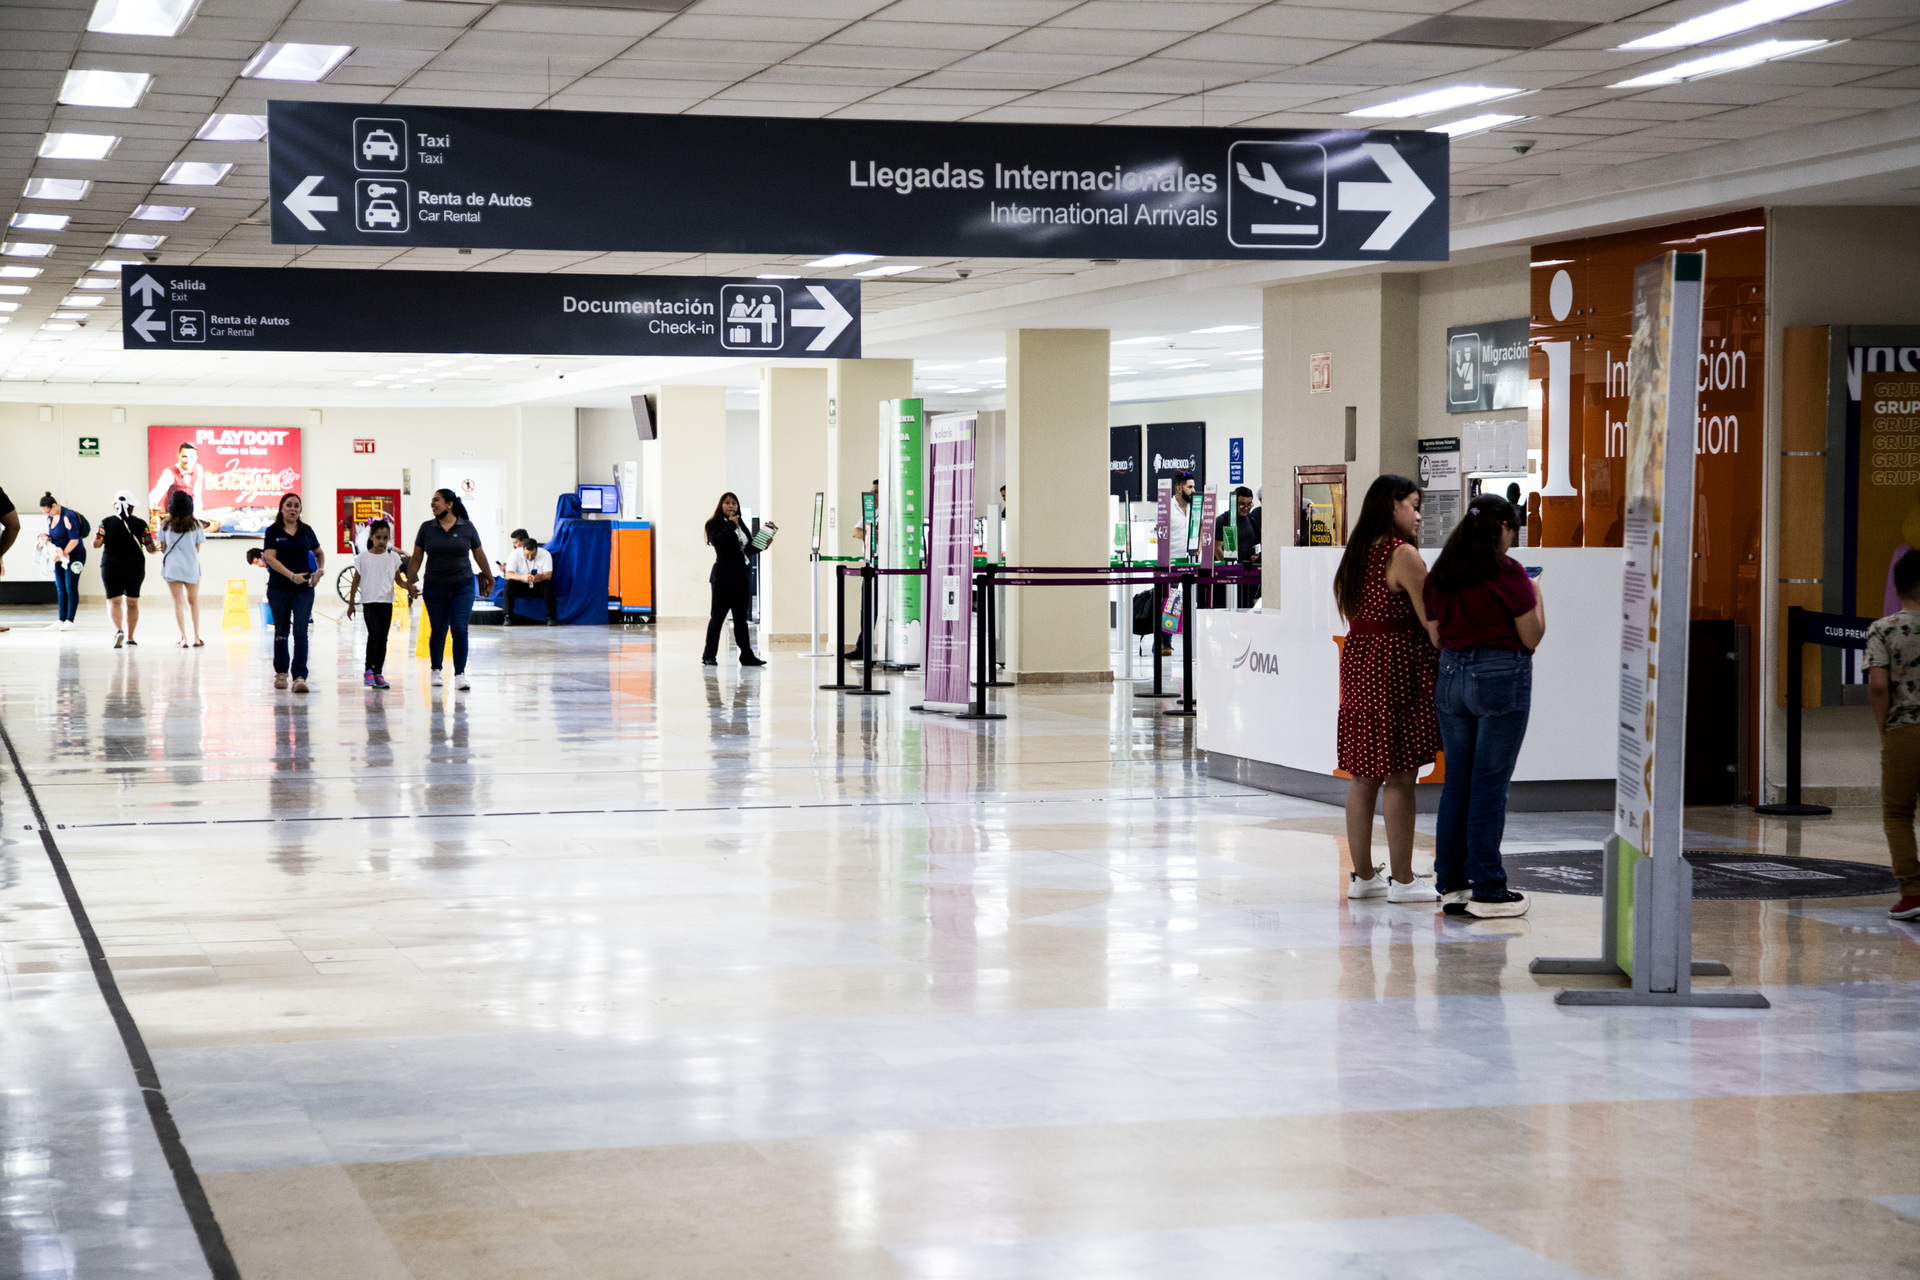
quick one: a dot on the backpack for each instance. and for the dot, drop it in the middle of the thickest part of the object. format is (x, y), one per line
(1143, 613)
(85, 529)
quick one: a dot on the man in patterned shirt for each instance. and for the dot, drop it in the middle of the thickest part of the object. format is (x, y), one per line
(1893, 687)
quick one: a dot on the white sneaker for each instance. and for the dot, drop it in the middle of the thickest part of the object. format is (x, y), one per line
(66, 626)
(435, 680)
(1418, 889)
(460, 681)
(1375, 886)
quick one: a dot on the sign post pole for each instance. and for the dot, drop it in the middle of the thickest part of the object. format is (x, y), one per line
(813, 583)
(1648, 883)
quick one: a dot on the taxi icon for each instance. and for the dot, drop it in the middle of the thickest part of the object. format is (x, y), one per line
(379, 145)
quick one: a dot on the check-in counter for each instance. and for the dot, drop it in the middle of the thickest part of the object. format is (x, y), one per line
(1267, 683)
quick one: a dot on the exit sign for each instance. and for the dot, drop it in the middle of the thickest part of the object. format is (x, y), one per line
(89, 446)
(363, 446)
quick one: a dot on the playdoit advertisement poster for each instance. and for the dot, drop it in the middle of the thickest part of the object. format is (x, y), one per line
(235, 475)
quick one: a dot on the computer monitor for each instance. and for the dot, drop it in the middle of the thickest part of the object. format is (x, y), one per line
(600, 499)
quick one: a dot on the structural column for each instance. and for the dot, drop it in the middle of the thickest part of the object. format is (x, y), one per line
(855, 389)
(1056, 441)
(684, 473)
(793, 467)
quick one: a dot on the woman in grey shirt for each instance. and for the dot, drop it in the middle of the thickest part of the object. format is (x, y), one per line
(445, 543)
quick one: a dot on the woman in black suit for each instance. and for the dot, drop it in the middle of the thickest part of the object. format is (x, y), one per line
(732, 584)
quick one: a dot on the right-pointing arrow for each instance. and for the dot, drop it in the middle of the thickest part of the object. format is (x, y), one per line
(305, 204)
(146, 288)
(832, 319)
(1402, 197)
(146, 326)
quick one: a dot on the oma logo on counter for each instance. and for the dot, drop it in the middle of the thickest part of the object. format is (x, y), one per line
(1254, 660)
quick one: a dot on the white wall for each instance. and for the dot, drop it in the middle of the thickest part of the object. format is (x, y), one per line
(536, 445)
(743, 457)
(1225, 416)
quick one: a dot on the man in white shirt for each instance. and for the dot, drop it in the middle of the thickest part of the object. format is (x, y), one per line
(529, 573)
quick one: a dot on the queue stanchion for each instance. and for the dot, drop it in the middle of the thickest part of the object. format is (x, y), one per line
(868, 590)
(1159, 606)
(1792, 806)
(982, 587)
(990, 610)
(840, 632)
(1187, 649)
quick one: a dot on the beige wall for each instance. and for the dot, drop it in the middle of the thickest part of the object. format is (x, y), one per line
(683, 474)
(1226, 417)
(537, 446)
(1455, 296)
(855, 389)
(793, 467)
(1056, 433)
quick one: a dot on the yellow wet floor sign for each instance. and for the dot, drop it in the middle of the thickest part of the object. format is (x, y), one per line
(234, 614)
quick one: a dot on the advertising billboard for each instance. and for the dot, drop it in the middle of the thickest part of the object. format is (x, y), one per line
(235, 475)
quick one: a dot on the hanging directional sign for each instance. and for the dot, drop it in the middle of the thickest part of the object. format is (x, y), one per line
(396, 176)
(493, 312)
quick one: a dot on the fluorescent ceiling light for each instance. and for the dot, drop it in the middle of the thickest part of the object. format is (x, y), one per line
(14, 290)
(93, 282)
(112, 264)
(142, 17)
(843, 259)
(25, 249)
(228, 127)
(104, 88)
(1226, 328)
(961, 391)
(1474, 124)
(163, 212)
(1424, 104)
(194, 173)
(58, 188)
(1182, 360)
(891, 269)
(1138, 342)
(366, 383)
(94, 301)
(1551, 262)
(994, 360)
(50, 337)
(1189, 364)
(774, 276)
(78, 146)
(935, 368)
(131, 241)
(1719, 63)
(61, 326)
(19, 273)
(1261, 357)
(9, 306)
(1725, 22)
(296, 61)
(70, 315)
(1249, 351)
(1118, 368)
(40, 221)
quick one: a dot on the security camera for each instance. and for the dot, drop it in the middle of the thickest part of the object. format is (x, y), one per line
(1522, 147)
(151, 256)
(963, 272)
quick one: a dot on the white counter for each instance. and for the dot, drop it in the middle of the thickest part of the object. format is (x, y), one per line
(1267, 684)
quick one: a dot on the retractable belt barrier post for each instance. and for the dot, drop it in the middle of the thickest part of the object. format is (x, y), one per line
(869, 588)
(1186, 649)
(991, 612)
(840, 633)
(1805, 627)
(983, 652)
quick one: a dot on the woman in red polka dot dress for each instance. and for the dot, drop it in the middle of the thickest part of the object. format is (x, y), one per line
(1388, 730)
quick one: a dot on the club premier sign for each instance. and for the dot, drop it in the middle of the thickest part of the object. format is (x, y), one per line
(614, 181)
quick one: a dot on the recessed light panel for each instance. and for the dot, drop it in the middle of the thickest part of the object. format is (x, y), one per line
(843, 259)
(25, 249)
(304, 62)
(19, 273)
(142, 17)
(58, 188)
(891, 269)
(1726, 21)
(1474, 124)
(1424, 104)
(129, 240)
(228, 127)
(40, 221)
(104, 88)
(194, 173)
(82, 302)
(163, 212)
(1720, 63)
(78, 146)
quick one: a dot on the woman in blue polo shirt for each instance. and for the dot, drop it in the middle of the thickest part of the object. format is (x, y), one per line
(67, 533)
(294, 559)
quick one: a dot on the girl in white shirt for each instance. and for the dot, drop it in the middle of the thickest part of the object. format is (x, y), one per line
(376, 569)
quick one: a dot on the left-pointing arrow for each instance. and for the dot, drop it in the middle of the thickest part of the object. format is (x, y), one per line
(305, 204)
(146, 326)
(146, 288)
(832, 319)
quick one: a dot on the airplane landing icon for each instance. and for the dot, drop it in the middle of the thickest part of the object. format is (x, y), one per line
(1272, 184)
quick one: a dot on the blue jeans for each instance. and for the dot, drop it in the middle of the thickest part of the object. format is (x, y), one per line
(1482, 699)
(66, 589)
(449, 604)
(292, 612)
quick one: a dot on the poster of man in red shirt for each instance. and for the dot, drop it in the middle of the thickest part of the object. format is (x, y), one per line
(235, 475)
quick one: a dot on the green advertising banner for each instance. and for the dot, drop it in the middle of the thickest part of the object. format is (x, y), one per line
(903, 512)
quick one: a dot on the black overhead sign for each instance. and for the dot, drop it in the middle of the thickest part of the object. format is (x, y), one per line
(393, 175)
(492, 312)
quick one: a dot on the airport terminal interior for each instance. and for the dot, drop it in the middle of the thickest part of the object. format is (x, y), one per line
(947, 871)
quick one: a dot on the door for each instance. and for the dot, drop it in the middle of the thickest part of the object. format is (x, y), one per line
(482, 487)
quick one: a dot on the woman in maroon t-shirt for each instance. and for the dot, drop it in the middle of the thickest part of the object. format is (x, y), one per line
(1488, 617)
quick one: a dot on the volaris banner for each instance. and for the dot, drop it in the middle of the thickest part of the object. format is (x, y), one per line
(399, 175)
(950, 446)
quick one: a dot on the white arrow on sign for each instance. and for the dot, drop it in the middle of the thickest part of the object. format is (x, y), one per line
(146, 288)
(1402, 197)
(146, 326)
(831, 320)
(305, 204)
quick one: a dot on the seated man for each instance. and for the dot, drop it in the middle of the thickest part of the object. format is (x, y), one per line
(529, 572)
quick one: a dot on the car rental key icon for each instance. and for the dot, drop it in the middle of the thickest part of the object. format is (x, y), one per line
(380, 205)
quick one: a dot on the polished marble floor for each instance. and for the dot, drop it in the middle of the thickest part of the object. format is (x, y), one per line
(619, 967)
